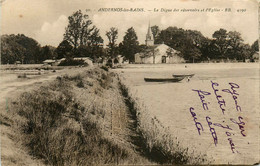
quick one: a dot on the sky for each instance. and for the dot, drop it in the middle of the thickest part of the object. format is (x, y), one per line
(45, 20)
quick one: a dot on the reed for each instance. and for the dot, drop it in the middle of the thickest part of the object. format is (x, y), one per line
(152, 139)
(54, 125)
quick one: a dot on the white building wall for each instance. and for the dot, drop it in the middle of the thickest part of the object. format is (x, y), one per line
(148, 59)
(176, 59)
(138, 58)
(159, 52)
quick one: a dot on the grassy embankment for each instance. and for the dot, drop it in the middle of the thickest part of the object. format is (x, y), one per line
(91, 119)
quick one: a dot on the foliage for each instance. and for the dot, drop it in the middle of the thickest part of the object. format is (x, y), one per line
(83, 37)
(112, 36)
(188, 42)
(56, 125)
(47, 52)
(155, 31)
(129, 46)
(19, 48)
(24, 49)
(78, 30)
(194, 47)
(82, 51)
(64, 49)
(229, 45)
(72, 62)
(254, 47)
(96, 45)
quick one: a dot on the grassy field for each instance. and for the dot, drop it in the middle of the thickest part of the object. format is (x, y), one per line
(84, 117)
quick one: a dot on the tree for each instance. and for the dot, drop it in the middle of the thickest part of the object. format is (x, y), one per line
(64, 49)
(96, 44)
(95, 38)
(129, 46)
(32, 48)
(112, 36)
(11, 51)
(47, 52)
(235, 42)
(245, 52)
(83, 51)
(188, 42)
(206, 49)
(155, 31)
(19, 48)
(255, 47)
(220, 42)
(78, 30)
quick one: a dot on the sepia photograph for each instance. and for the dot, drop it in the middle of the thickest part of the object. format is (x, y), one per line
(129, 82)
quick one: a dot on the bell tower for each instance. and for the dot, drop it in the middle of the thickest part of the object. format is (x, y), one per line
(149, 41)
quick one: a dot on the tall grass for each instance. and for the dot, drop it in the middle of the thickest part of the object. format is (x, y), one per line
(152, 139)
(55, 122)
(57, 128)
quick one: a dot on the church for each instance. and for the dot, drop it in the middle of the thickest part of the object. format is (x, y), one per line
(157, 53)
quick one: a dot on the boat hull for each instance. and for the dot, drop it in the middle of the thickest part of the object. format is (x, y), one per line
(183, 75)
(163, 79)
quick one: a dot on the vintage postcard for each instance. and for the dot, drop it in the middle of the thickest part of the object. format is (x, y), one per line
(130, 82)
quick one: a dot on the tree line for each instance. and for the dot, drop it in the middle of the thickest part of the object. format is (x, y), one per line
(196, 47)
(82, 39)
(24, 49)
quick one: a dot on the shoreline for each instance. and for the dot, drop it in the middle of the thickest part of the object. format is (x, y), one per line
(193, 65)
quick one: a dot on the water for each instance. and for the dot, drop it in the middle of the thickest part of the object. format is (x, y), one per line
(171, 103)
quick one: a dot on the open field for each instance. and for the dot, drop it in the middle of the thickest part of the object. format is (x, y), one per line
(170, 103)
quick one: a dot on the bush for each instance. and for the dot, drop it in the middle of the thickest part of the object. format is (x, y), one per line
(72, 62)
(56, 127)
(104, 68)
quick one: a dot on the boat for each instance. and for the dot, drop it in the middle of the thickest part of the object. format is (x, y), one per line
(183, 75)
(177, 79)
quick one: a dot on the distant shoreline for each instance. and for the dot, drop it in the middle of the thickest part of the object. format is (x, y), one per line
(194, 65)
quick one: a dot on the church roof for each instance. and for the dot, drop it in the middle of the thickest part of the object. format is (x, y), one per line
(149, 37)
(149, 33)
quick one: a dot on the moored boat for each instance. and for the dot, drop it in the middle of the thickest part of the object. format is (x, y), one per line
(164, 79)
(183, 75)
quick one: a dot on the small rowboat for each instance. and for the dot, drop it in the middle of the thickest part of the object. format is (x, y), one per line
(164, 79)
(182, 75)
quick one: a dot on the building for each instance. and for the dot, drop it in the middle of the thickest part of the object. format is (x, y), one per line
(50, 62)
(149, 41)
(157, 53)
(17, 62)
(119, 59)
(255, 57)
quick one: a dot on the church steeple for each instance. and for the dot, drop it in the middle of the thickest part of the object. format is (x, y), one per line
(149, 37)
